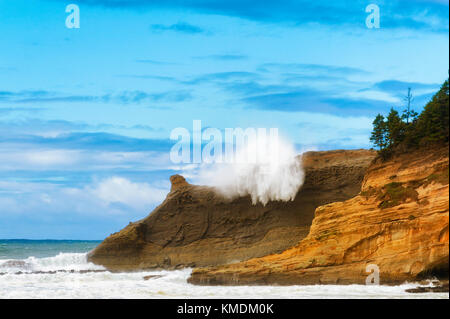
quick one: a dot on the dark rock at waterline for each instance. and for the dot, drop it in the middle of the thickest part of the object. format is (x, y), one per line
(438, 287)
(152, 277)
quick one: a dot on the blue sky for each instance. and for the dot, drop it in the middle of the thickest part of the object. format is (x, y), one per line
(86, 114)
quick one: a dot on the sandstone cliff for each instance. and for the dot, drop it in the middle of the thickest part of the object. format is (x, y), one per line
(399, 222)
(195, 226)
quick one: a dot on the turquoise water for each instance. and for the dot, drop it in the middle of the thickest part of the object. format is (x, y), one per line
(24, 248)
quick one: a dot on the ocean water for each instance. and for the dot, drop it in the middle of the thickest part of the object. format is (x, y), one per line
(59, 269)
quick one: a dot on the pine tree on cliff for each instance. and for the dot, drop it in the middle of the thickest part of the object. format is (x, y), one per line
(395, 128)
(432, 124)
(400, 134)
(379, 133)
(409, 114)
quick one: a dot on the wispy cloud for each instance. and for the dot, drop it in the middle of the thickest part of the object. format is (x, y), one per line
(315, 69)
(182, 27)
(314, 101)
(223, 57)
(155, 62)
(124, 97)
(150, 77)
(222, 76)
(89, 141)
(53, 128)
(14, 110)
(414, 15)
(396, 86)
(314, 88)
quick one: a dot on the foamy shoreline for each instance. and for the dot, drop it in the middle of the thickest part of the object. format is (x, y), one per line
(69, 275)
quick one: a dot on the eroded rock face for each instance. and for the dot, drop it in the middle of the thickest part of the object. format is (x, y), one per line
(399, 222)
(195, 226)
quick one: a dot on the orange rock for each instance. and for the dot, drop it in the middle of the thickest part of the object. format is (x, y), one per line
(398, 222)
(177, 182)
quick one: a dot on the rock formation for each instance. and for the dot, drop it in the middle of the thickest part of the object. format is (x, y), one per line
(195, 226)
(398, 222)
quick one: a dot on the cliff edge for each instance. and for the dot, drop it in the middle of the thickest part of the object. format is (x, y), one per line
(195, 226)
(399, 222)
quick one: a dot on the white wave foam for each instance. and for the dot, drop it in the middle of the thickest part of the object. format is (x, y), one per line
(62, 261)
(31, 283)
(173, 284)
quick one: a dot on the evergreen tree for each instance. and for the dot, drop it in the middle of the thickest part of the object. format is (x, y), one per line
(379, 132)
(410, 116)
(400, 133)
(395, 128)
(408, 113)
(432, 124)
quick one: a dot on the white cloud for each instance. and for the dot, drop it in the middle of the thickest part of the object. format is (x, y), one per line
(11, 158)
(373, 95)
(97, 198)
(121, 190)
(51, 157)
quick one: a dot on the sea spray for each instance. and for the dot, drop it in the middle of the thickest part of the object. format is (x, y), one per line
(266, 168)
(60, 262)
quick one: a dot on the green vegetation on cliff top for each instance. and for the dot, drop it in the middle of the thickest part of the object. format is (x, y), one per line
(399, 133)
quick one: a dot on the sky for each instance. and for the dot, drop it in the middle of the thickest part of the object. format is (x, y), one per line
(86, 113)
